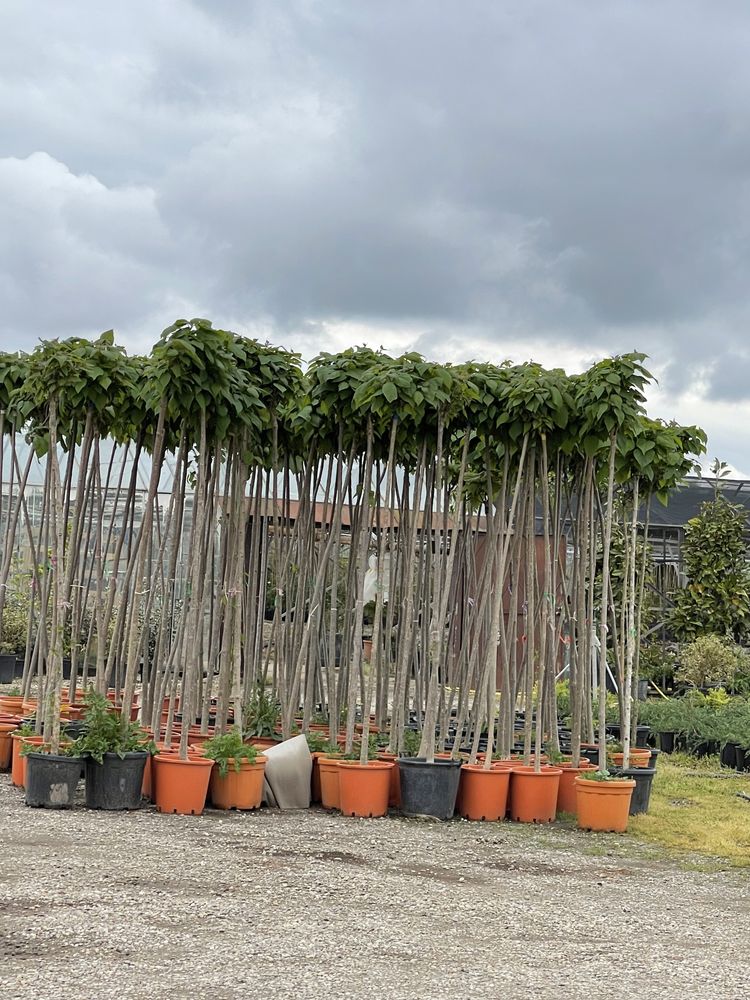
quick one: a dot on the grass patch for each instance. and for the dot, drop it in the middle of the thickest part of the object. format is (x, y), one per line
(694, 808)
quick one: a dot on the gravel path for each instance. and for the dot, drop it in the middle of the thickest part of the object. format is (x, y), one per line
(308, 905)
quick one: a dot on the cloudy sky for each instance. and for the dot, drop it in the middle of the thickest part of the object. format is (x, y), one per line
(483, 178)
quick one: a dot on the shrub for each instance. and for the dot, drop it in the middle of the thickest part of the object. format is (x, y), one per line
(709, 660)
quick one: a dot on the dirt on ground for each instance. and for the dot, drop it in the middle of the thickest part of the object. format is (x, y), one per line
(311, 905)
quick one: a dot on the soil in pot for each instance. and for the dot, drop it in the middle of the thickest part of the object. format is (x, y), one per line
(117, 782)
(51, 780)
(364, 788)
(429, 789)
(603, 805)
(330, 797)
(238, 789)
(483, 794)
(533, 794)
(181, 786)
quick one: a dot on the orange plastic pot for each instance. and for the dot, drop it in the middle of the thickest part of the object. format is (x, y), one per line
(483, 793)
(330, 797)
(264, 742)
(638, 758)
(148, 772)
(604, 805)
(11, 704)
(394, 791)
(533, 794)
(566, 792)
(181, 786)
(364, 788)
(241, 789)
(315, 776)
(18, 762)
(6, 744)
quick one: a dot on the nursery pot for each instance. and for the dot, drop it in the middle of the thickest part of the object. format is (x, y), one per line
(181, 786)
(603, 805)
(653, 760)
(666, 742)
(18, 762)
(483, 794)
(11, 704)
(315, 776)
(728, 755)
(741, 759)
(364, 788)
(429, 789)
(117, 782)
(567, 801)
(641, 733)
(51, 780)
(328, 768)
(394, 791)
(533, 794)
(6, 744)
(7, 667)
(643, 777)
(591, 752)
(241, 789)
(638, 758)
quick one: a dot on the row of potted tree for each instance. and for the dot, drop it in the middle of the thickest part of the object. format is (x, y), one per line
(483, 499)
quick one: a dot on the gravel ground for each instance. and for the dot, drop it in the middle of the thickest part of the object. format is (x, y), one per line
(308, 905)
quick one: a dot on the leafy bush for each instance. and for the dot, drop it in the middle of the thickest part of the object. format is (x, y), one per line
(710, 659)
(15, 626)
(656, 662)
(412, 739)
(105, 732)
(228, 747)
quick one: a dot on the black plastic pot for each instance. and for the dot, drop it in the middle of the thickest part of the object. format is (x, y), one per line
(641, 796)
(116, 782)
(641, 733)
(429, 789)
(741, 759)
(666, 742)
(591, 754)
(74, 728)
(7, 667)
(51, 780)
(728, 755)
(654, 757)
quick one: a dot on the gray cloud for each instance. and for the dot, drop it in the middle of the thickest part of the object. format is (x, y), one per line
(541, 172)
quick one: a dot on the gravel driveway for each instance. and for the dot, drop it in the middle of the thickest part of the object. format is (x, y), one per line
(307, 905)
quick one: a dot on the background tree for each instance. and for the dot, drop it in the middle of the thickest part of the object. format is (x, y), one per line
(717, 596)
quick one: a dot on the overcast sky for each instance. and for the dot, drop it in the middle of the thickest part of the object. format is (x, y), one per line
(473, 179)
